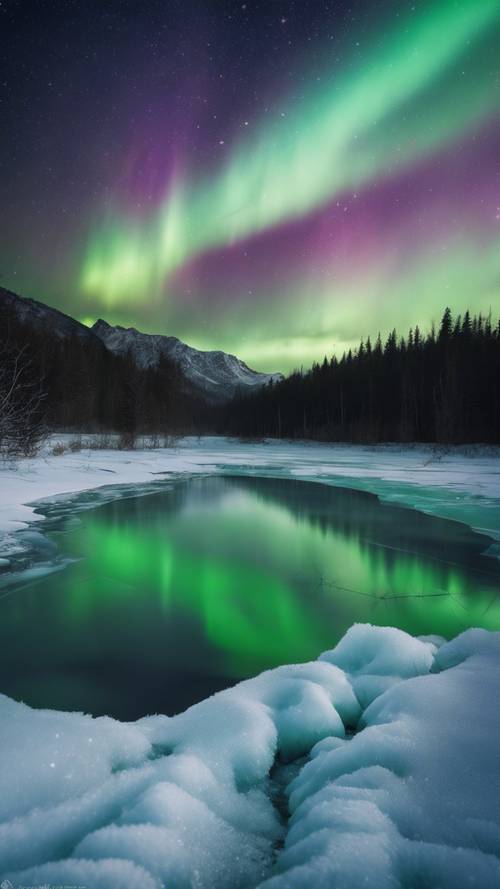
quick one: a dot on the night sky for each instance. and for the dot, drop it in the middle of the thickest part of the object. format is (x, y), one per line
(277, 179)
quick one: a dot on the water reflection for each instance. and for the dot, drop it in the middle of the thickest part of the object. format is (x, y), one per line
(181, 593)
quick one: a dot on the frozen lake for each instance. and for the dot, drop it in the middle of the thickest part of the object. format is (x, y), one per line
(168, 597)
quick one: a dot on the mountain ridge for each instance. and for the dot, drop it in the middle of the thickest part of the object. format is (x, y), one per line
(30, 310)
(216, 376)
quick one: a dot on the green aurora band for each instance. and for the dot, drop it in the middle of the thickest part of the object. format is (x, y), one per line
(300, 163)
(368, 123)
(319, 306)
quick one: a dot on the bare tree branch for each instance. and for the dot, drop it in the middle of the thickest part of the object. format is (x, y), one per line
(22, 398)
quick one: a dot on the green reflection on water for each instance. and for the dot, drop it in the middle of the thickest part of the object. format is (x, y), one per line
(268, 584)
(219, 578)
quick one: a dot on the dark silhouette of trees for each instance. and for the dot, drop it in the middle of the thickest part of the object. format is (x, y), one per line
(442, 387)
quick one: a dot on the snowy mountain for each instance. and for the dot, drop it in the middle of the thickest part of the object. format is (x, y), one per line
(216, 375)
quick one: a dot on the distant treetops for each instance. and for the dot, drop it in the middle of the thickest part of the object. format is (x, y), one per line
(440, 386)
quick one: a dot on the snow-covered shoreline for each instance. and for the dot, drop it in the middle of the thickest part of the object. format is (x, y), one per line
(462, 484)
(263, 786)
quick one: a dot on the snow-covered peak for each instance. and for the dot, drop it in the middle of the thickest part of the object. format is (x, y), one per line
(217, 375)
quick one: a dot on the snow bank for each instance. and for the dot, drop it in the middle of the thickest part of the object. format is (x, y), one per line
(202, 799)
(448, 484)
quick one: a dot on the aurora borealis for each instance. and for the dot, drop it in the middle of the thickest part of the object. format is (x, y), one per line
(274, 179)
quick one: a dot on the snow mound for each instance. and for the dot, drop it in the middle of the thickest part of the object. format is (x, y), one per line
(377, 765)
(375, 658)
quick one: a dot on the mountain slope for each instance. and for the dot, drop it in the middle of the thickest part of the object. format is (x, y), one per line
(32, 313)
(216, 375)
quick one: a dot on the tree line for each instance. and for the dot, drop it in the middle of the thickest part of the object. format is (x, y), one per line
(443, 386)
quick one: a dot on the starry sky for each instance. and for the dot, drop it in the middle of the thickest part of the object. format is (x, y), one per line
(276, 179)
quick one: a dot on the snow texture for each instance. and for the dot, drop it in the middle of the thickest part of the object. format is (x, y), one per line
(284, 781)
